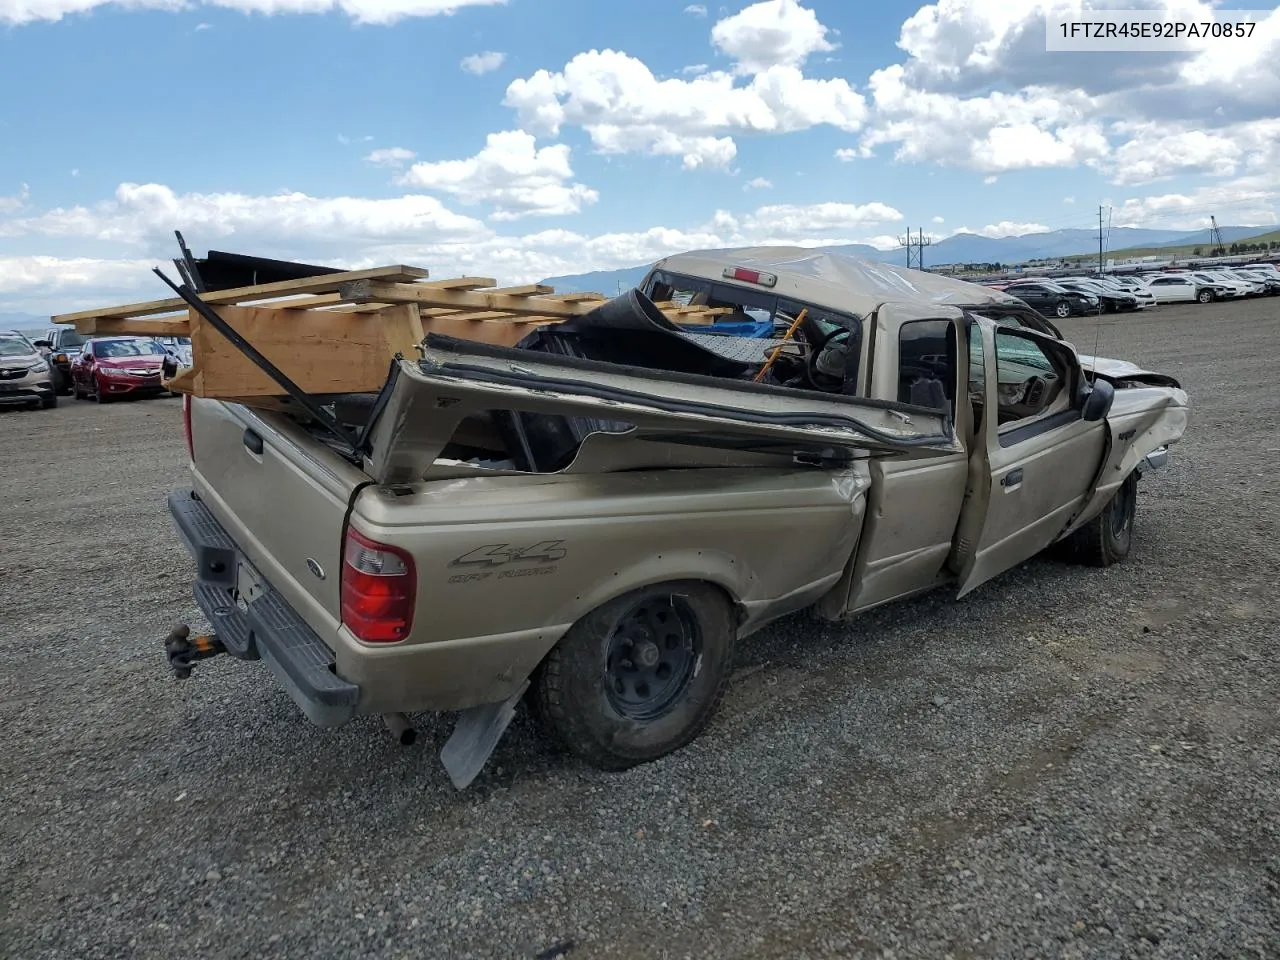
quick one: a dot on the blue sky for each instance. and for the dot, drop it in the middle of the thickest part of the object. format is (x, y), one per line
(527, 138)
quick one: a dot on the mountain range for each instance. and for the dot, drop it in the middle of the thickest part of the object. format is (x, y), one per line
(958, 248)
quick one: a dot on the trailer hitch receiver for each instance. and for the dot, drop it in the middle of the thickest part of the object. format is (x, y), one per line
(183, 650)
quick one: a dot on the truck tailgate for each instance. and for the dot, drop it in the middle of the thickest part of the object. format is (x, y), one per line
(282, 496)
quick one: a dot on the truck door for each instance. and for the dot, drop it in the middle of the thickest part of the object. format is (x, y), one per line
(914, 501)
(1035, 457)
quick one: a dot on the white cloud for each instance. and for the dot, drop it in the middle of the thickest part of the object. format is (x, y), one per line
(792, 220)
(696, 10)
(75, 171)
(1158, 151)
(769, 34)
(481, 63)
(847, 154)
(758, 183)
(884, 242)
(390, 157)
(41, 284)
(1246, 200)
(355, 233)
(380, 12)
(1068, 200)
(15, 202)
(976, 90)
(203, 26)
(1036, 127)
(939, 220)
(510, 173)
(1005, 228)
(144, 216)
(625, 109)
(694, 69)
(990, 180)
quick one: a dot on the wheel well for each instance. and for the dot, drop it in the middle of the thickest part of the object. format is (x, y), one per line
(739, 609)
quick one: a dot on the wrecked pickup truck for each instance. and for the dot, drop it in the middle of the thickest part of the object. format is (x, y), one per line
(590, 519)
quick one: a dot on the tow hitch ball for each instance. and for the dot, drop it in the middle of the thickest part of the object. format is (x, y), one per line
(183, 650)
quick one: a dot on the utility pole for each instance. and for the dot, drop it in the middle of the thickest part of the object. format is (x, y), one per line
(907, 243)
(1099, 239)
(920, 245)
(915, 259)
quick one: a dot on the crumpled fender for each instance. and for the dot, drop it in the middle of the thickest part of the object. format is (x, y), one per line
(1142, 420)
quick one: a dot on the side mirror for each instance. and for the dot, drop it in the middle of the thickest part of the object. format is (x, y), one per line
(1097, 403)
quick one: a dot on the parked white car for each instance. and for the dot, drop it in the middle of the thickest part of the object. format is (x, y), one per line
(1253, 288)
(1140, 292)
(1270, 285)
(1177, 288)
(1237, 288)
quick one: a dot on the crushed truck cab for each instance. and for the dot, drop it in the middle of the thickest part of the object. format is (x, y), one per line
(591, 518)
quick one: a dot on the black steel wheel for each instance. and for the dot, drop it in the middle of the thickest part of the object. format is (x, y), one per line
(651, 657)
(639, 676)
(1108, 537)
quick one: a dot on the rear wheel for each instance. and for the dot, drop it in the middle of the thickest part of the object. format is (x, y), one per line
(640, 676)
(1107, 538)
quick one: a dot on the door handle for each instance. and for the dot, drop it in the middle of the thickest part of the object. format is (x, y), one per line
(253, 441)
(1012, 478)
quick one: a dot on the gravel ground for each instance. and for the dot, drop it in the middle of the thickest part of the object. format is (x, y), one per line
(1069, 763)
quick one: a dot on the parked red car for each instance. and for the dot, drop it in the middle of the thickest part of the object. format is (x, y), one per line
(110, 367)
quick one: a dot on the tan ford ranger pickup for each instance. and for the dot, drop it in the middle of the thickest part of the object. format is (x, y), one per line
(590, 519)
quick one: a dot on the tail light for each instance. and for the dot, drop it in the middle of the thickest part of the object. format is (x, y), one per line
(379, 589)
(186, 425)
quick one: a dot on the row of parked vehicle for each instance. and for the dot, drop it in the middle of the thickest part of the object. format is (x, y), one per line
(1079, 296)
(37, 372)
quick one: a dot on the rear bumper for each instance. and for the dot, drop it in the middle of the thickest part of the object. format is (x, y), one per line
(265, 628)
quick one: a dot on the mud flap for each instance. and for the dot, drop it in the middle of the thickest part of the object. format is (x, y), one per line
(474, 736)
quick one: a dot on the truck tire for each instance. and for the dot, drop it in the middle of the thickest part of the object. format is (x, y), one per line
(1106, 538)
(640, 676)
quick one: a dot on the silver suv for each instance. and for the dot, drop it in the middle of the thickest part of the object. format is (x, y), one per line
(25, 376)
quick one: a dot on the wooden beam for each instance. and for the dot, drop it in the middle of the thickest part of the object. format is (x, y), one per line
(524, 290)
(320, 351)
(499, 334)
(372, 291)
(178, 326)
(402, 328)
(577, 297)
(332, 299)
(326, 283)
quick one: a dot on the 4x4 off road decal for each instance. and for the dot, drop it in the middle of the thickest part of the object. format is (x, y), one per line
(537, 559)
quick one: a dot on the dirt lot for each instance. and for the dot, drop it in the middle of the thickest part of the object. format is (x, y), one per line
(1071, 762)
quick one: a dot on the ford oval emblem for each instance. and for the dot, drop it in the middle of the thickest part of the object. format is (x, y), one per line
(315, 568)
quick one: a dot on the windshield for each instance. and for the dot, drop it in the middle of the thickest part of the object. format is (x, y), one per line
(126, 348)
(13, 347)
(70, 340)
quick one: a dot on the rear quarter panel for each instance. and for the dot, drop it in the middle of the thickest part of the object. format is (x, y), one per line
(504, 554)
